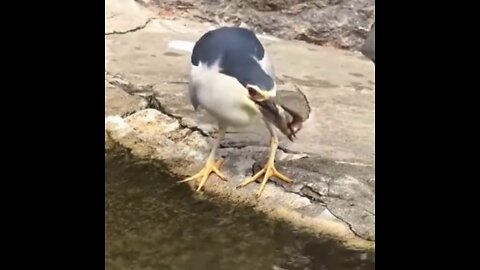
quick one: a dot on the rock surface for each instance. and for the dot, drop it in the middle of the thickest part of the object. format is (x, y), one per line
(332, 161)
(339, 23)
(119, 102)
(368, 49)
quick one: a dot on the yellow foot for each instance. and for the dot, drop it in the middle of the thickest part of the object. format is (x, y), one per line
(204, 173)
(269, 170)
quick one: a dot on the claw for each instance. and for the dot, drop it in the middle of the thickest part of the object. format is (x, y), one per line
(204, 173)
(268, 171)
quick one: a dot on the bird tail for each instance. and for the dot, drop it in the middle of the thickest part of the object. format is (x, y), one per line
(181, 45)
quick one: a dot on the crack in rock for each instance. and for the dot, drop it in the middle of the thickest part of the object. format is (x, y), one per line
(322, 198)
(316, 197)
(129, 88)
(130, 30)
(146, 92)
(312, 195)
(350, 226)
(299, 193)
(162, 109)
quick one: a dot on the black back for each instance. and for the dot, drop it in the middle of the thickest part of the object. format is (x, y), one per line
(235, 49)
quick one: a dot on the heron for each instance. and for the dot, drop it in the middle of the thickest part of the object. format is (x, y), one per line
(232, 79)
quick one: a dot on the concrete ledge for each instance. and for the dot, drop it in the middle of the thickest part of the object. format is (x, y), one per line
(152, 134)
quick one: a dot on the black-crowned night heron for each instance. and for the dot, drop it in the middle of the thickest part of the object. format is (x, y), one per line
(232, 78)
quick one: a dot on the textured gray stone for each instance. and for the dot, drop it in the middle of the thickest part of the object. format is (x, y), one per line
(339, 23)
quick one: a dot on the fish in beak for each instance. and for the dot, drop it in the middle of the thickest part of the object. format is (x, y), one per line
(285, 119)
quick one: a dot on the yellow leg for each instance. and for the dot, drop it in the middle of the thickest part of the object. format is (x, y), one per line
(210, 166)
(268, 171)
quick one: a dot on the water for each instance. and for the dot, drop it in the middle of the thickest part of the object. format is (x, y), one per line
(154, 223)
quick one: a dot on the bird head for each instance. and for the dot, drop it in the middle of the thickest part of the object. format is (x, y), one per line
(286, 120)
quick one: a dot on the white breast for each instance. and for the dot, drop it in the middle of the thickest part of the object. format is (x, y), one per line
(221, 95)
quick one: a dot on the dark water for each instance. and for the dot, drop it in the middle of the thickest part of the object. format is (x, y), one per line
(153, 223)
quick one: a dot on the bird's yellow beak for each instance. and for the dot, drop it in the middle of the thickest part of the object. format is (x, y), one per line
(259, 94)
